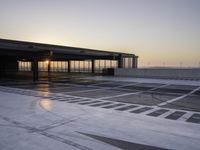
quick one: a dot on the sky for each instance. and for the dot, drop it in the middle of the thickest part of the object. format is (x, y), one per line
(160, 32)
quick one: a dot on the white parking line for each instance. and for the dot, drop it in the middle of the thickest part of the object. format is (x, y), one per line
(101, 88)
(167, 113)
(127, 85)
(151, 110)
(82, 91)
(126, 94)
(178, 98)
(185, 116)
(139, 92)
(132, 109)
(159, 87)
(101, 83)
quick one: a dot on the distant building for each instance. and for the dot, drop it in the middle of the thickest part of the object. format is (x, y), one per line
(32, 57)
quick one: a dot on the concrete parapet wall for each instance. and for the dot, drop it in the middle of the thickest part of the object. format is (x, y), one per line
(159, 73)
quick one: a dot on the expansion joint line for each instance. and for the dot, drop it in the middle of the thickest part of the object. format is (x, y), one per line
(46, 134)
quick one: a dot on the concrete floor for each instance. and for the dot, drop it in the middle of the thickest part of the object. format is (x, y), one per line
(99, 113)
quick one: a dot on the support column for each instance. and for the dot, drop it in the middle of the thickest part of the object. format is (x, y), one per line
(2, 68)
(93, 66)
(135, 62)
(120, 61)
(49, 66)
(49, 70)
(69, 66)
(35, 69)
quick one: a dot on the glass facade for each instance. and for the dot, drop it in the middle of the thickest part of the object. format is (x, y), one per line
(58, 66)
(42, 66)
(102, 64)
(24, 66)
(81, 66)
(128, 62)
(75, 65)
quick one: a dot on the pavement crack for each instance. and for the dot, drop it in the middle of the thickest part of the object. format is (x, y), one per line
(57, 125)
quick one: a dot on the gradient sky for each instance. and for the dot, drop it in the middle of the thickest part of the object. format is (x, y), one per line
(160, 32)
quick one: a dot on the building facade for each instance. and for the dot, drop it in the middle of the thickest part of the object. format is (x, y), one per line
(36, 57)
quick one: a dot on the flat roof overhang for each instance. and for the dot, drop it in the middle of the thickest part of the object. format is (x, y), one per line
(31, 50)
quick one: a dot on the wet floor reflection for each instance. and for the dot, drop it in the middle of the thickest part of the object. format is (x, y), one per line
(46, 104)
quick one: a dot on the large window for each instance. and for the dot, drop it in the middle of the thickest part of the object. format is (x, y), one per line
(43, 66)
(75, 65)
(81, 65)
(102, 64)
(59, 66)
(128, 62)
(24, 65)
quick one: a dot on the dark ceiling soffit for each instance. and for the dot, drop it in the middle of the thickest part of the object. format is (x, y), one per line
(31, 46)
(41, 55)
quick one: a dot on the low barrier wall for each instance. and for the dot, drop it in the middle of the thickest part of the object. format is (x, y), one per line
(159, 73)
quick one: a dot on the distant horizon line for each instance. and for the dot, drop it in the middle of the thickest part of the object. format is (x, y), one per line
(168, 67)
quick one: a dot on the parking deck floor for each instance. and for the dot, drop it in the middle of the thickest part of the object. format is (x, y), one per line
(173, 102)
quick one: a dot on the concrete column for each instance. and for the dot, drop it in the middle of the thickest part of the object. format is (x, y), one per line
(49, 66)
(49, 70)
(69, 66)
(136, 62)
(35, 69)
(2, 68)
(93, 66)
(120, 61)
(133, 62)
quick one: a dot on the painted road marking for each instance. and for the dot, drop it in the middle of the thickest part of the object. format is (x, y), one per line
(56, 98)
(126, 107)
(185, 116)
(155, 88)
(132, 93)
(80, 100)
(97, 88)
(195, 118)
(167, 113)
(126, 94)
(83, 91)
(72, 98)
(178, 98)
(68, 99)
(121, 86)
(114, 105)
(63, 100)
(101, 104)
(158, 112)
(140, 110)
(91, 102)
(175, 115)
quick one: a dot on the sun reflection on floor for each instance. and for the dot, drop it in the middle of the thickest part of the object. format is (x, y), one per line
(46, 104)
